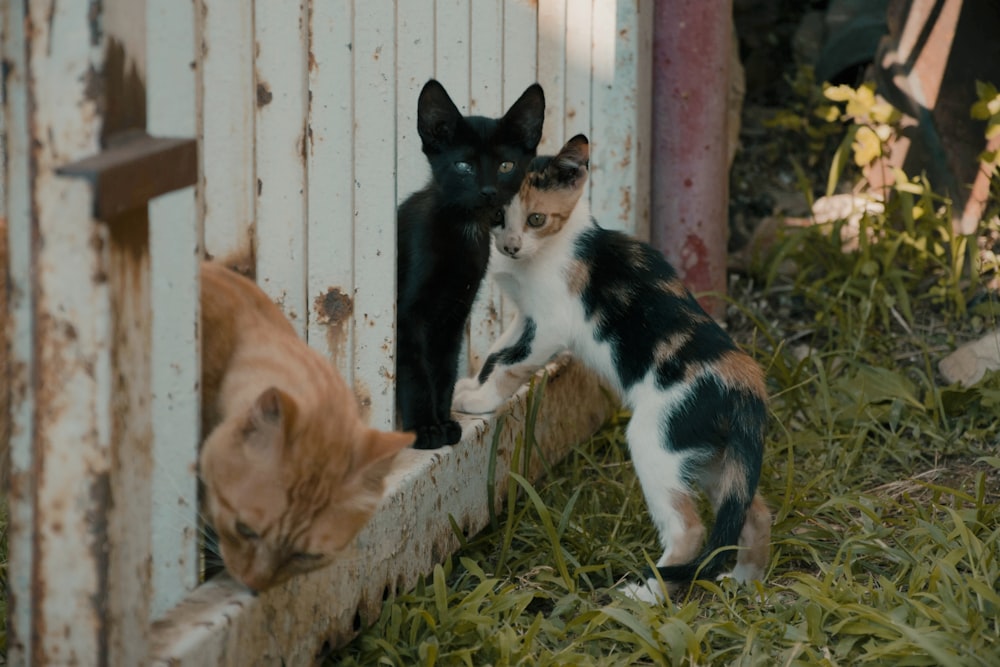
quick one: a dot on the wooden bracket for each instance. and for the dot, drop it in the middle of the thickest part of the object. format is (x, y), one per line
(134, 170)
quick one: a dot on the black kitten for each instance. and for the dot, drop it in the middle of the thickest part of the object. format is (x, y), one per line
(443, 242)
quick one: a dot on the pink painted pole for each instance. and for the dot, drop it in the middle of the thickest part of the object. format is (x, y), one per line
(690, 176)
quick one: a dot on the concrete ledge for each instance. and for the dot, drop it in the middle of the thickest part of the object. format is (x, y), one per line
(221, 624)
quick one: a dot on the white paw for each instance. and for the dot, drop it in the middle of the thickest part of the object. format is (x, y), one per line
(744, 574)
(649, 591)
(476, 399)
(466, 384)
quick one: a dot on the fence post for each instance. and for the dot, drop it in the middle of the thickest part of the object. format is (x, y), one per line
(175, 254)
(691, 169)
(60, 494)
(81, 506)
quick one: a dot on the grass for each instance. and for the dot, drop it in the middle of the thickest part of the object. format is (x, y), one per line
(884, 482)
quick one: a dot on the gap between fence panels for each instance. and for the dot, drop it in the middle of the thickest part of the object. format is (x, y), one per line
(220, 623)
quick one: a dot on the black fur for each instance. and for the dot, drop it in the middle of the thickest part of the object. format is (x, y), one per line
(620, 264)
(519, 351)
(443, 245)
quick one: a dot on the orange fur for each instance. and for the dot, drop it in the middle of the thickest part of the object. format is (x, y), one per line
(739, 371)
(291, 472)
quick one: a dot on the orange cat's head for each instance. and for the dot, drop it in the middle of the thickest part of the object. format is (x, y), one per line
(286, 492)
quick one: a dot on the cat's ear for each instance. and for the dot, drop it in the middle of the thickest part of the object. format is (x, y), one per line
(437, 116)
(267, 420)
(378, 451)
(523, 121)
(570, 164)
(381, 445)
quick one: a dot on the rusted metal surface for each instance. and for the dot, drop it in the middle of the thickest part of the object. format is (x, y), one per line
(19, 331)
(622, 86)
(280, 70)
(59, 553)
(130, 560)
(226, 94)
(691, 169)
(175, 252)
(374, 208)
(134, 170)
(222, 625)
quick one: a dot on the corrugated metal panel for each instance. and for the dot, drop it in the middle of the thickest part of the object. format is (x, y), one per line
(375, 210)
(64, 268)
(281, 73)
(330, 202)
(621, 89)
(226, 105)
(175, 250)
(21, 335)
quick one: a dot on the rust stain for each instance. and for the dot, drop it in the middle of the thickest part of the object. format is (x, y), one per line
(121, 95)
(626, 204)
(364, 396)
(264, 95)
(334, 308)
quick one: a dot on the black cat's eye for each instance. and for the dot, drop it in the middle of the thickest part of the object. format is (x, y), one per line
(245, 531)
(506, 167)
(463, 167)
(536, 220)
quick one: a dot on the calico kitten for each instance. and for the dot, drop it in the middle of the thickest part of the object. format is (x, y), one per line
(290, 471)
(477, 165)
(698, 402)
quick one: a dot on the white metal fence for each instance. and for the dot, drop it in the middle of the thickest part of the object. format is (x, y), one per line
(304, 111)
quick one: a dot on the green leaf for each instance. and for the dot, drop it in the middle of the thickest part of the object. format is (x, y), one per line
(840, 160)
(641, 630)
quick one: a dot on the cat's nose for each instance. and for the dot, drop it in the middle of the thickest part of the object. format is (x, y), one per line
(488, 192)
(511, 248)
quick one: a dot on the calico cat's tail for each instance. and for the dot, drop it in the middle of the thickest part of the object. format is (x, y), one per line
(737, 476)
(725, 533)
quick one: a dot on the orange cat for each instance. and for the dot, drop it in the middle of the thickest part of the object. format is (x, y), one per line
(291, 473)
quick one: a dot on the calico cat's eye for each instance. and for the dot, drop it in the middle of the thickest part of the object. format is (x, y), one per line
(536, 220)
(245, 531)
(506, 167)
(463, 167)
